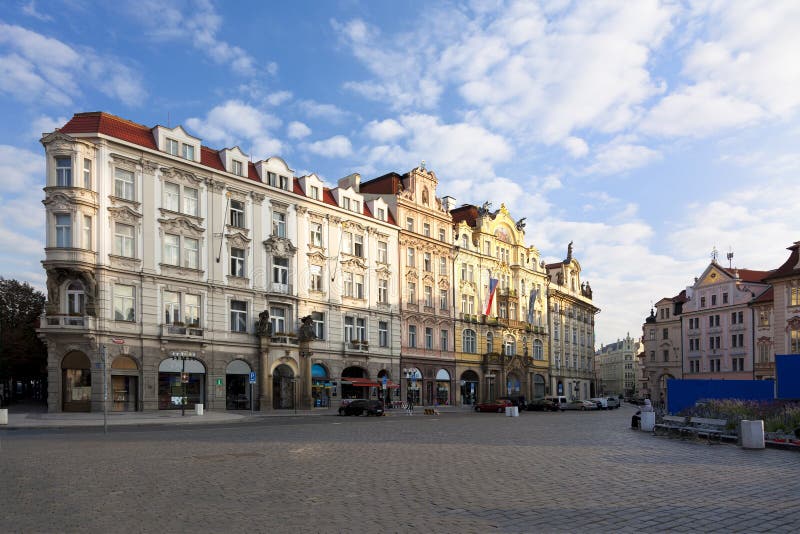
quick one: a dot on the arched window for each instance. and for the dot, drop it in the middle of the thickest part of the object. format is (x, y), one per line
(538, 350)
(425, 196)
(468, 341)
(509, 345)
(489, 342)
(464, 241)
(75, 298)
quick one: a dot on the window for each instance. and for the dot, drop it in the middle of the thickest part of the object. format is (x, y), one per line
(191, 310)
(489, 342)
(239, 316)
(358, 245)
(410, 224)
(315, 236)
(124, 303)
(383, 333)
(319, 324)
(794, 341)
(442, 299)
(443, 265)
(713, 300)
(359, 286)
(412, 293)
(794, 296)
(738, 364)
(470, 273)
(702, 302)
(123, 184)
(190, 203)
(87, 232)
(172, 307)
(172, 146)
(237, 168)
(665, 333)
(314, 192)
(280, 271)
(191, 253)
(277, 318)
(429, 338)
(64, 172)
(443, 339)
(87, 173)
(410, 260)
(666, 355)
(361, 329)
(349, 328)
(442, 235)
(538, 350)
(172, 249)
(347, 243)
(724, 298)
(315, 278)
(468, 341)
(237, 262)
(426, 262)
(237, 214)
(763, 353)
(356, 206)
(188, 152)
(509, 346)
(123, 240)
(278, 224)
(426, 229)
(412, 335)
(737, 340)
(380, 213)
(172, 196)
(428, 296)
(383, 291)
(348, 284)
(383, 252)
(272, 179)
(465, 242)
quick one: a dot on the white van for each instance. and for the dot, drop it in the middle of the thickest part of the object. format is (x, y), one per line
(601, 402)
(558, 400)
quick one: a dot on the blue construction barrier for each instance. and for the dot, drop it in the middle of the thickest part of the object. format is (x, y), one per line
(683, 394)
(787, 375)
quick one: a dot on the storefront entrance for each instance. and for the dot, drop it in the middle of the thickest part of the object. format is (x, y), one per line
(469, 388)
(172, 393)
(538, 387)
(360, 387)
(414, 386)
(283, 388)
(237, 386)
(124, 384)
(76, 383)
(442, 388)
(320, 386)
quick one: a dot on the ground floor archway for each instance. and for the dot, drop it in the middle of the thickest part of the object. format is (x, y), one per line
(172, 392)
(469, 388)
(321, 387)
(76, 382)
(124, 384)
(237, 385)
(538, 386)
(283, 388)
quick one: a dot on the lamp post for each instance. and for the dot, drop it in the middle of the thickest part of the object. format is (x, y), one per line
(183, 355)
(489, 386)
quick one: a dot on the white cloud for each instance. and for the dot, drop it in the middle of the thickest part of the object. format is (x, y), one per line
(317, 110)
(576, 146)
(337, 146)
(234, 123)
(279, 97)
(619, 156)
(297, 130)
(385, 130)
(30, 10)
(35, 68)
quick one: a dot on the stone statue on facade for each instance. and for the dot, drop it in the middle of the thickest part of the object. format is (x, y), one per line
(569, 252)
(521, 224)
(306, 332)
(484, 210)
(264, 327)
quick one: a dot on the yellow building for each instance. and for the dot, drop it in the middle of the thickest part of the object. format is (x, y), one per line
(501, 346)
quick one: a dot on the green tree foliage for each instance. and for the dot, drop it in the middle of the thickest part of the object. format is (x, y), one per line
(22, 354)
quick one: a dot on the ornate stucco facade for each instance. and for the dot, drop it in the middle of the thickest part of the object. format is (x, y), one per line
(616, 367)
(661, 354)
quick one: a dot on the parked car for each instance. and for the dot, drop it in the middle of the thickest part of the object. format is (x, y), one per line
(498, 405)
(613, 402)
(542, 405)
(362, 406)
(558, 400)
(518, 400)
(601, 402)
(580, 405)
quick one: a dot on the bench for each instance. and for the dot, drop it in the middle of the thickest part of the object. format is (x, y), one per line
(431, 411)
(671, 424)
(710, 428)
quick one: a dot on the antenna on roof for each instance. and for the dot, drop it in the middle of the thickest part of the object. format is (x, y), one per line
(168, 124)
(730, 257)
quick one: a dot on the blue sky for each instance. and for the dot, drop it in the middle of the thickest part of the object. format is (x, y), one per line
(645, 132)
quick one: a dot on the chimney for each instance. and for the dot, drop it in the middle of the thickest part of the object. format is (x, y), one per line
(352, 180)
(448, 203)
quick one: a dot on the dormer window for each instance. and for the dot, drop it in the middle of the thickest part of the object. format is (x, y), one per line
(172, 146)
(314, 192)
(346, 203)
(381, 214)
(356, 206)
(188, 152)
(283, 182)
(64, 172)
(237, 168)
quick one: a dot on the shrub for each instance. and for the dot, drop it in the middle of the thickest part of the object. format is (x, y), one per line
(778, 416)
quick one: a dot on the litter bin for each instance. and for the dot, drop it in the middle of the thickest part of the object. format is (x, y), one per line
(3, 416)
(648, 421)
(512, 411)
(752, 434)
(198, 409)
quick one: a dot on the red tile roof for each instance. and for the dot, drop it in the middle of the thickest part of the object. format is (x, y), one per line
(390, 183)
(790, 266)
(748, 275)
(766, 296)
(467, 213)
(138, 134)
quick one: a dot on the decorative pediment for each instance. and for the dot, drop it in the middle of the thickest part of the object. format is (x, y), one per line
(280, 247)
(59, 202)
(174, 173)
(238, 240)
(316, 257)
(181, 225)
(428, 279)
(237, 194)
(352, 225)
(467, 286)
(383, 272)
(411, 275)
(124, 214)
(354, 263)
(58, 142)
(124, 162)
(443, 283)
(314, 216)
(793, 323)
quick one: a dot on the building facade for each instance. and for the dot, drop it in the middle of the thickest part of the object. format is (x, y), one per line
(501, 337)
(616, 367)
(661, 353)
(571, 326)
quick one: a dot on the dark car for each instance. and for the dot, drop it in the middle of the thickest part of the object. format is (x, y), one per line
(499, 406)
(542, 405)
(361, 407)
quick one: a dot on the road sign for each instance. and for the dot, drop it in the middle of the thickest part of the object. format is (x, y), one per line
(384, 381)
(117, 341)
(252, 377)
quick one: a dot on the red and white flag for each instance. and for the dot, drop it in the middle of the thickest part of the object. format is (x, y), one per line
(492, 289)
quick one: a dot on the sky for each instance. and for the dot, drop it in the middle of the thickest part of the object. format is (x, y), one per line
(647, 133)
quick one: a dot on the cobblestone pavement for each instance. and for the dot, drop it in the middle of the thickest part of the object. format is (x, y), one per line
(459, 472)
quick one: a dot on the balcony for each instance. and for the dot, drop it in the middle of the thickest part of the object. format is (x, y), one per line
(282, 338)
(507, 292)
(69, 255)
(180, 330)
(280, 289)
(73, 322)
(357, 345)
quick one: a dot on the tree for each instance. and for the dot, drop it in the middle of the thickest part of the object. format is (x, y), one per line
(22, 354)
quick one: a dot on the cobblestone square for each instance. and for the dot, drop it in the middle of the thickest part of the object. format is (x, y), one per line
(458, 472)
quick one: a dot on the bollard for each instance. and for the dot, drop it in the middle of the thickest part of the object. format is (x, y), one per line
(3, 416)
(752, 434)
(198, 409)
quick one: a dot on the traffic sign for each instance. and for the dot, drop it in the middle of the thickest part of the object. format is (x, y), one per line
(252, 377)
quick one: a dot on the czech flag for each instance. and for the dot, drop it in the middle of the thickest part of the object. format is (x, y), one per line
(492, 288)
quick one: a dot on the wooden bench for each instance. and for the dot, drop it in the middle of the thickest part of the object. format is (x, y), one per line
(431, 411)
(671, 424)
(710, 428)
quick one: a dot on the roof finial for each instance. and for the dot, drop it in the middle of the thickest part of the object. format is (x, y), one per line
(714, 254)
(422, 165)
